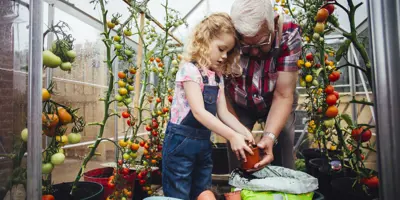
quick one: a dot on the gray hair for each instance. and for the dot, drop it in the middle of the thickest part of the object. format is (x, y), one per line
(248, 16)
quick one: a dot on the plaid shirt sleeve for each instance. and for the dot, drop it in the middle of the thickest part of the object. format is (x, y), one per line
(290, 47)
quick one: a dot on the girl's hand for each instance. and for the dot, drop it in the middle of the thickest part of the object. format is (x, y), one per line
(239, 146)
(249, 137)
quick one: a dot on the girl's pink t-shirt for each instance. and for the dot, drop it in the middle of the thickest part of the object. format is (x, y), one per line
(189, 72)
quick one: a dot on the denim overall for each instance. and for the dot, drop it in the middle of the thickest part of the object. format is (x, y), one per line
(187, 161)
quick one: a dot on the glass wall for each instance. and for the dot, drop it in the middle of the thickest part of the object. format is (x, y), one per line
(14, 51)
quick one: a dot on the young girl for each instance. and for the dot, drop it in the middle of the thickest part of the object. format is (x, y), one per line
(199, 96)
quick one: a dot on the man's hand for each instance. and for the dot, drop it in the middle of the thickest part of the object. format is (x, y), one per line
(266, 144)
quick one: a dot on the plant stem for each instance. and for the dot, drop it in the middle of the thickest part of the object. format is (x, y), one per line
(106, 102)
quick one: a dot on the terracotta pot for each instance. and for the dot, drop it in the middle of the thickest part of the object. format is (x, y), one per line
(251, 159)
(206, 195)
(233, 195)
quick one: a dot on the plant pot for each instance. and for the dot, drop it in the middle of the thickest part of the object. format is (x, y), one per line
(101, 175)
(84, 191)
(206, 195)
(309, 154)
(233, 196)
(318, 196)
(343, 189)
(220, 159)
(251, 159)
(321, 169)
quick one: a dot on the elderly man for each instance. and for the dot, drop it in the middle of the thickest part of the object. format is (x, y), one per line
(266, 90)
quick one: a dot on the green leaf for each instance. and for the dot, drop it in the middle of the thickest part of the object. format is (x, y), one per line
(342, 49)
(347, 119)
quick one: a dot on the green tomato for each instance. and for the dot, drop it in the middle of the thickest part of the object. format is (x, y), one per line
(130, 88)
(24, 135)
(47, 168)
(133, 155)
(128, 52)
(120, 104)
(71, 54)
(118, 97)
(120, 57)
(316, 36)
(302, 82)
(74, 138)
(315, 82)
(128, 101)
(57, 158)
(50, 59)
(66, 66)
(174, 62)
(329, 123)
(174, 70)
(118, 46)
(154, 69)
(126, 156)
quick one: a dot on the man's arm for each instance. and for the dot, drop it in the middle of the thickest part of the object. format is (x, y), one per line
(281, 108)
(282, 102)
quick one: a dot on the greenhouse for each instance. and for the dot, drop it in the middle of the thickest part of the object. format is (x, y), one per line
(199, 99)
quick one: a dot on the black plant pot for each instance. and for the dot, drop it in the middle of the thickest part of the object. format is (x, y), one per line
(309, 154)
(220, 159)
(342, 188)
(84, 191)
(318, 196)
(321, 169)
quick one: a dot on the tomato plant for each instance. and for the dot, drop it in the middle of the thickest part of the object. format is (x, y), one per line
(329, 128)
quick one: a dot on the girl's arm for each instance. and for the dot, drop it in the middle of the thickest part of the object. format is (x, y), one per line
(229, 119)
(196, 103)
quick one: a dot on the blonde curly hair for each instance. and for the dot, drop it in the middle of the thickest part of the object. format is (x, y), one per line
(198, 48)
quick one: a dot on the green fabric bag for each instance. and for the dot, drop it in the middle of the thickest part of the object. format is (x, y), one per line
(271, 195)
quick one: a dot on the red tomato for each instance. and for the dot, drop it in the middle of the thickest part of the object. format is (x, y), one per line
(331, 99)
(155, 125)
(336, 74)
(322, 15)
(148, 128)
(125, 171)
(329, 89)
(130, 123)
(371, 182)
(170, 98)
(111, 185)
(141, 143)
(332, 78)
(365, 134)
(310, 57)
(125, 114)
(154, 133)
(336, 94)
(158, 100)
(332, 111)
(121, 75)
(165, 110)
(330, 8)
